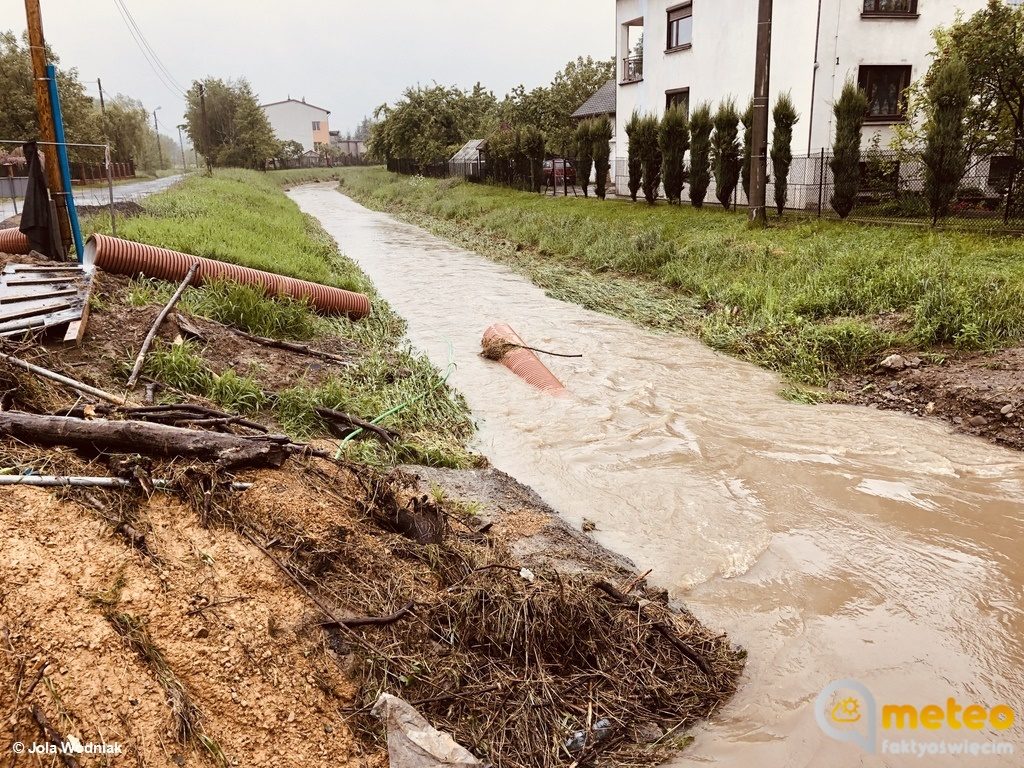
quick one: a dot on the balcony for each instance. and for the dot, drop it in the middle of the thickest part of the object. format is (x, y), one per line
(632, 69)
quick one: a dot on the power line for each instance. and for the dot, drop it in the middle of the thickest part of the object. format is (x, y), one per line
(145, 42)
(167, 81)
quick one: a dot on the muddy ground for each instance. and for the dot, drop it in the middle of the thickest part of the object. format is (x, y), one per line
(210, 627)
(980, 394)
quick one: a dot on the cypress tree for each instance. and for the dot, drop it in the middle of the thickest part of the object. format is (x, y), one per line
(784, 117)
(700, 153)
(633, 136)
(726, 150)
(584, 154)
(674, 140)
(849, 110)
(650, 158)
(944, 156)
(748, 147)
(601, 134)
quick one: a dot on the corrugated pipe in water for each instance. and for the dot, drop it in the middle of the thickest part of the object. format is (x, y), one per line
(500, 342)
(13, 240)
(124, 257)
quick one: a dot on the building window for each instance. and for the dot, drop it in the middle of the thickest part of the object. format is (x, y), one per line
(316, 125)
(890, 8)
(885, 86)
(680, 27)
(681, 97)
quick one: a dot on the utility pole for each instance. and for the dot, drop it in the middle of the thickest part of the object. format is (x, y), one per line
(47, 131)
(206, 129)
(759, 144)
(103, 108)
(156, 130)
(181, 144)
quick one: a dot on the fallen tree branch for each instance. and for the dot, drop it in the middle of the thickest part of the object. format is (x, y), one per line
(143, 437)
(355, 423)
(376, 621)
(148, 341)
(52, 736)
(67, 381)
(88, 481)
(290, 346)
(663, 629)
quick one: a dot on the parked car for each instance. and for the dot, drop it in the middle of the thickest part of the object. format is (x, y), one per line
(555, 168)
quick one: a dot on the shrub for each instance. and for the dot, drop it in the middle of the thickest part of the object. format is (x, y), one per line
(650, 158)
(845, 164)
(674, 141)
(634, 163)
(600, 135)
(533, 146)
(726, 151)
(945, 156)
(584, 154)
(700, 153)
(784, 116)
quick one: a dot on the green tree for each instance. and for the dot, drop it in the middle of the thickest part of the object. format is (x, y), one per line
(725, 148)
(126, 126)
(428, 124)
(747, 118)
(784, 117)
(849, 112)
(17, 97)
(945, 154)
(290, 150)
(635, 162)
(650, 158)
(239, 132)
(584, 153)
(601, 135)
(533, 146)
(700, 153)
(674, 141)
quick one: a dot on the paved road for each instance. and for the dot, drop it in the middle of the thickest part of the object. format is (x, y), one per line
(99, 195)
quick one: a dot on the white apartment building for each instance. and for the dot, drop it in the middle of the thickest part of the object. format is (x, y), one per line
(295, 120)
(691, 51)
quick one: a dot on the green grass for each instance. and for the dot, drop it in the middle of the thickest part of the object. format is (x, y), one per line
(244, 217)
(295, 176)
(807, 297)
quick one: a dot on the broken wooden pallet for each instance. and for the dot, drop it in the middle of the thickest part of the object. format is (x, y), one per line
(34, 297)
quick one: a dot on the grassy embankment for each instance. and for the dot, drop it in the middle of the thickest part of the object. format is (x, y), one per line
(244, 217)
(809, 298)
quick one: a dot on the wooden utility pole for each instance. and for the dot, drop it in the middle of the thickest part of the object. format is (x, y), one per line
(759, 144)
(47, 132)
(206, 129)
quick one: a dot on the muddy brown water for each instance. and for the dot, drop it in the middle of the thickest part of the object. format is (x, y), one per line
(833, 542)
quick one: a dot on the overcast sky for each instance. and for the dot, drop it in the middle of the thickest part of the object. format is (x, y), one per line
(343, 55)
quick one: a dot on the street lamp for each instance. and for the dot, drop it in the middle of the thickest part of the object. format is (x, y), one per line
(182, 145)
(156, 130)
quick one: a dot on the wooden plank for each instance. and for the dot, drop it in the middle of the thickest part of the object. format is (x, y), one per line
(33, 280)
(76, 328)
(12, 269)
(35, 323)
(29, 308)
(11, 296)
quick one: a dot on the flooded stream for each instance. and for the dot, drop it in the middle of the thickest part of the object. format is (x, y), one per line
(831, 541)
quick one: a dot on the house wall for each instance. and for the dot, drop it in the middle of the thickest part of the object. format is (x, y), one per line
(720, 62)
(293, 121)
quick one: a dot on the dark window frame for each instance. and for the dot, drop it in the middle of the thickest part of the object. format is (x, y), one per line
(866, 73)
(688, 6)
(677, 92)
(877, 12)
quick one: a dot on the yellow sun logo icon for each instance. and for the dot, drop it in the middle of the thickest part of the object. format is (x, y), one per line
(846, 710)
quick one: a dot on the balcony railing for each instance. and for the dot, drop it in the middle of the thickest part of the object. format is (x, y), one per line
(632, 69)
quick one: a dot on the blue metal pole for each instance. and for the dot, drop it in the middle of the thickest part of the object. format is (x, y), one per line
(62, 156)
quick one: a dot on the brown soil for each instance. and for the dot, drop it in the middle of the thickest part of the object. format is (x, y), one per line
(981, 394)
(166, 623)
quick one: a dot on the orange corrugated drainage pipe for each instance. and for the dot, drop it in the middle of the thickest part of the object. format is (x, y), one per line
(522, 362)
(13, 240)
(124, 257)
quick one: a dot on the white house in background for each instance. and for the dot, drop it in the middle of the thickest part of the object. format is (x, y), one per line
(295, 120)
(675, 51)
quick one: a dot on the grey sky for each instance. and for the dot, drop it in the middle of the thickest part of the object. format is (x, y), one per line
(343, 55)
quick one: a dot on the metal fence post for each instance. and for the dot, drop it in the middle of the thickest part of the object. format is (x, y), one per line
(821, 180)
